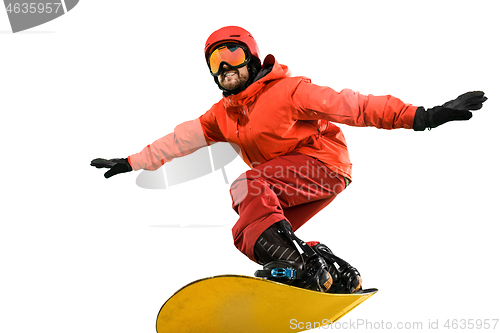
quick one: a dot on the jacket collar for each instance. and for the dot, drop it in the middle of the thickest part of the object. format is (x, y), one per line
(275, 71)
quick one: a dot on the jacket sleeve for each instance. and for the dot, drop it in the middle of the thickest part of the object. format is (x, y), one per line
(314, 102)
(186, 139)
(210, 125)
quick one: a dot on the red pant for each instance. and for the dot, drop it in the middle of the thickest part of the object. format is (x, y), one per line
(292, 187)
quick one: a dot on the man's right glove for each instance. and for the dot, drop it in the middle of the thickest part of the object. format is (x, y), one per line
(457, 109)
(115, 165)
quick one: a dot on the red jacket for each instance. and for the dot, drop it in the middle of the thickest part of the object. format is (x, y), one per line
(279, 114)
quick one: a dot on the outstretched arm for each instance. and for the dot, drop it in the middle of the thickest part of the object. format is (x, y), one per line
(351, 108)
(186, 139)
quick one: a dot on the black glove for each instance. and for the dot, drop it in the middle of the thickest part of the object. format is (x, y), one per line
(457, 109)
(115, 165)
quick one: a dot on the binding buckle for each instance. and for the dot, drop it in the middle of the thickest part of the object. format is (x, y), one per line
(288, 273)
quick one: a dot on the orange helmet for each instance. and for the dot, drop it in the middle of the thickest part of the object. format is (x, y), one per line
(232, 34)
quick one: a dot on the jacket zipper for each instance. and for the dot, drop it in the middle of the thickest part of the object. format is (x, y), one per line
(246, 139)
(249, 142)
(243, 150)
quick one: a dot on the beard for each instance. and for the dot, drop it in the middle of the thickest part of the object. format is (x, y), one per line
(235, 81)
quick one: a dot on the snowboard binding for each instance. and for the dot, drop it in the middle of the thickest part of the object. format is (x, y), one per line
(346, 278)
(315, 268)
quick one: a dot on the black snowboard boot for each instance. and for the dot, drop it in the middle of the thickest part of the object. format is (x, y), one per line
(346, 279)
(283, 262)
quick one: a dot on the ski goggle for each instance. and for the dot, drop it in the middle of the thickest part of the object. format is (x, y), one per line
(233, 55)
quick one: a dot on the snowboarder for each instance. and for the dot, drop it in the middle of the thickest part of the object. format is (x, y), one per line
(298, 159)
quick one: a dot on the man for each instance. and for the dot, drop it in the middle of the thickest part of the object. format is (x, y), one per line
(299, 161)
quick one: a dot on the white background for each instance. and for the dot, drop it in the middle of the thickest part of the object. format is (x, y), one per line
(80, 253)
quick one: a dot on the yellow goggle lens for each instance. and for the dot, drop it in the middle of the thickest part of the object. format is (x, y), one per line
(232, 55)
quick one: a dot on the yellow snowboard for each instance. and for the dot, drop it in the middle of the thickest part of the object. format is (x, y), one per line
(240, 304)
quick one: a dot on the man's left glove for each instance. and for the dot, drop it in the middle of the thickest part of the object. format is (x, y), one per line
(115, 165)
(457, 109)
